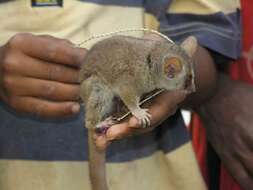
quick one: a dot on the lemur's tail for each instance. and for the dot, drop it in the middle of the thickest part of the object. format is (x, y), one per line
(96, 165)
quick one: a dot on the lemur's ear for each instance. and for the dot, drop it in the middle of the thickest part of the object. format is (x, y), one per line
(190, 45)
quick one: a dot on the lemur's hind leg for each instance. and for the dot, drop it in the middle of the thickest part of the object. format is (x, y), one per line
(97, 98)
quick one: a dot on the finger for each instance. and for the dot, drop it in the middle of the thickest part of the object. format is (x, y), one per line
(238, 171)
(49, 48)
(118, 131)
(126, 129)
(247, 161)
(51, 90)
(168, 100)
(245, 155)
(43, 70)
(162, 106)
(44, 108)
(101, 142)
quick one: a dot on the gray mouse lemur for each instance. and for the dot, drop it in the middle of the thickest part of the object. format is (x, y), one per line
(128, 67)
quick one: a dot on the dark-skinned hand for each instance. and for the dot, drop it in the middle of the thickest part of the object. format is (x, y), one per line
(162, 106)
(39, 75)
(228, 120)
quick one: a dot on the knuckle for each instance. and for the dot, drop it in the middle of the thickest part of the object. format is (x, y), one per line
(67, 109)
(39, 109)
(53, 51)
(7, 81)
(48, 89)
(12, 102)
(8, 63)
(53, 72)
(78, 56)
(17, 39)
(56, 48)
(66, 42)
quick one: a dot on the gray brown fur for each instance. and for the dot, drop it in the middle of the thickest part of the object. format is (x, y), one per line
(126, 67)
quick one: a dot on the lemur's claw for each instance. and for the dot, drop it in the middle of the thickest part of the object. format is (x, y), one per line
(144, 117)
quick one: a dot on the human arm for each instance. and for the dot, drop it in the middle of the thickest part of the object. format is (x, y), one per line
(227, 117)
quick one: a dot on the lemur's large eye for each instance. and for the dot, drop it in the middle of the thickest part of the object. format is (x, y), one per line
(172, 66)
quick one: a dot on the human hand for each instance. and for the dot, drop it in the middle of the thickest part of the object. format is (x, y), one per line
(39, 75)
(229, 123)
(160, 108)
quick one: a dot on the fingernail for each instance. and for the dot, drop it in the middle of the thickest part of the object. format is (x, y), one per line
(75, 108)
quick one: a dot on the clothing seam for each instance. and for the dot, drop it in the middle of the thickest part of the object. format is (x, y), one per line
(196, 24)
(198, 30)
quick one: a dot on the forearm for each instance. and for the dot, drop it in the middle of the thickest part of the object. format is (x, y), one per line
(229, 95)
(227, 117)
(217, 104)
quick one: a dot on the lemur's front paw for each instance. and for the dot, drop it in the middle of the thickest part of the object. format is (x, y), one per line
(143, 116)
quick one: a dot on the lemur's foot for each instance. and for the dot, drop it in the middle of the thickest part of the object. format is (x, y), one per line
(102, 127)
(143, 116)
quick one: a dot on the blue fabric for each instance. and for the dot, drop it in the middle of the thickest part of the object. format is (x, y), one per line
(219, 32)
(135, 3)
(29, 138)
(35, 3)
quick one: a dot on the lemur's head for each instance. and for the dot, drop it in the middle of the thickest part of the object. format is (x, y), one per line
(175, 64)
